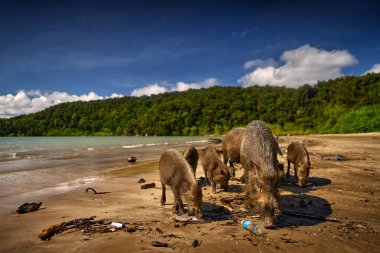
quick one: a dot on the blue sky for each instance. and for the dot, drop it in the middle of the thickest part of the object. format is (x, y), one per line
(56, 51)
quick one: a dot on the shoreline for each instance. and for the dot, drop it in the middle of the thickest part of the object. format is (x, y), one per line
(66, 174)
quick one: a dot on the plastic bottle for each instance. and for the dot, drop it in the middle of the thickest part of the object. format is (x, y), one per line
(118, 225)
(248, 225)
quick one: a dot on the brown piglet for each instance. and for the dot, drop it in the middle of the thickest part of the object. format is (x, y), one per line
(215, 170)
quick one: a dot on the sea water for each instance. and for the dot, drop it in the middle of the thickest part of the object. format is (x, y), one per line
(33, 166)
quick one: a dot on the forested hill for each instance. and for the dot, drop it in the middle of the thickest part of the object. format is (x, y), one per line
(343, 105)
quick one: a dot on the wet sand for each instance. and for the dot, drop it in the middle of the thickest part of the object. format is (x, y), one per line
(346, 192)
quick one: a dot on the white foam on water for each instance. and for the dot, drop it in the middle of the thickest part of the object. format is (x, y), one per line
(201, 141)
(134, 146)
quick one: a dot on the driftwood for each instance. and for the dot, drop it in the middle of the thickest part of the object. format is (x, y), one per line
(91, 189)
(146, 186)
(51, 231)
(309, 216)
(94, 191)
(28, 207)
(88, 225)
(159, 244)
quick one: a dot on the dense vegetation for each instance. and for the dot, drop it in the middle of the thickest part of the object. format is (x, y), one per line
(343, 105)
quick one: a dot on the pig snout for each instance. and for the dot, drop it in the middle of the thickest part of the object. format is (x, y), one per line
(302, 182)
(268, 223)
(197, 212)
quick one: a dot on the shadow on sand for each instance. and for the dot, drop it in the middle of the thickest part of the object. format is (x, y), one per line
(313, 184)
(235, 188)
(213, 212)
(303, 210)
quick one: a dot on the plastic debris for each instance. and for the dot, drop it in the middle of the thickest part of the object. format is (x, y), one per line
(117, 225)
(253, 228)
(337, 158)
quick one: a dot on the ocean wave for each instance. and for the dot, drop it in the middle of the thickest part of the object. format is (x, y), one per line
(134, 146)
(152, 144)
(200, 141)
(8, 155)
(78, 182)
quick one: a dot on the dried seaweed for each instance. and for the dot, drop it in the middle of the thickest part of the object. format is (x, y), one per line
(87, 225)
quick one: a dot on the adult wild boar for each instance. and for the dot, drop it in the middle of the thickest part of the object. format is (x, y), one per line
(176, 172)
(259, 159)
(298, 155)
(191, 156)
(231, 147)
(215, 170)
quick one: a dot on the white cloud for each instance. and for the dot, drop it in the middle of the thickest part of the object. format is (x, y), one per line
(260, 63)
(375, 69)
(34, 101)
(153, 89)
(148, 90)
(181, 86)
(303, 65)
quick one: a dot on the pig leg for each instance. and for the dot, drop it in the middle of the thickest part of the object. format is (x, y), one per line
(207, 178)
(225, 159)
(213, 184)
(232, 170)
(178, 202)
(175, 206)
(244, 178)
(163, 196)
(287, 173)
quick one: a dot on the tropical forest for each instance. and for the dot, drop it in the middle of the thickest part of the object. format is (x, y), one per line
(344, 105)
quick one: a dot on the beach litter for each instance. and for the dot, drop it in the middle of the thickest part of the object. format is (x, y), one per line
(117, 225)
(147, 186)
(86, 225)
(187, 218)
(142, 180)
(28, 207)
(132, 159)
(94, 191)
(159, 244)
(337, 158)
(253, 228)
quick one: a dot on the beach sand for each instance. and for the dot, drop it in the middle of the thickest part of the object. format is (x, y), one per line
(346, 192)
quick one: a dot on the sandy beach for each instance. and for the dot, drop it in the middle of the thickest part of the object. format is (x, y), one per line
(340, 215)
